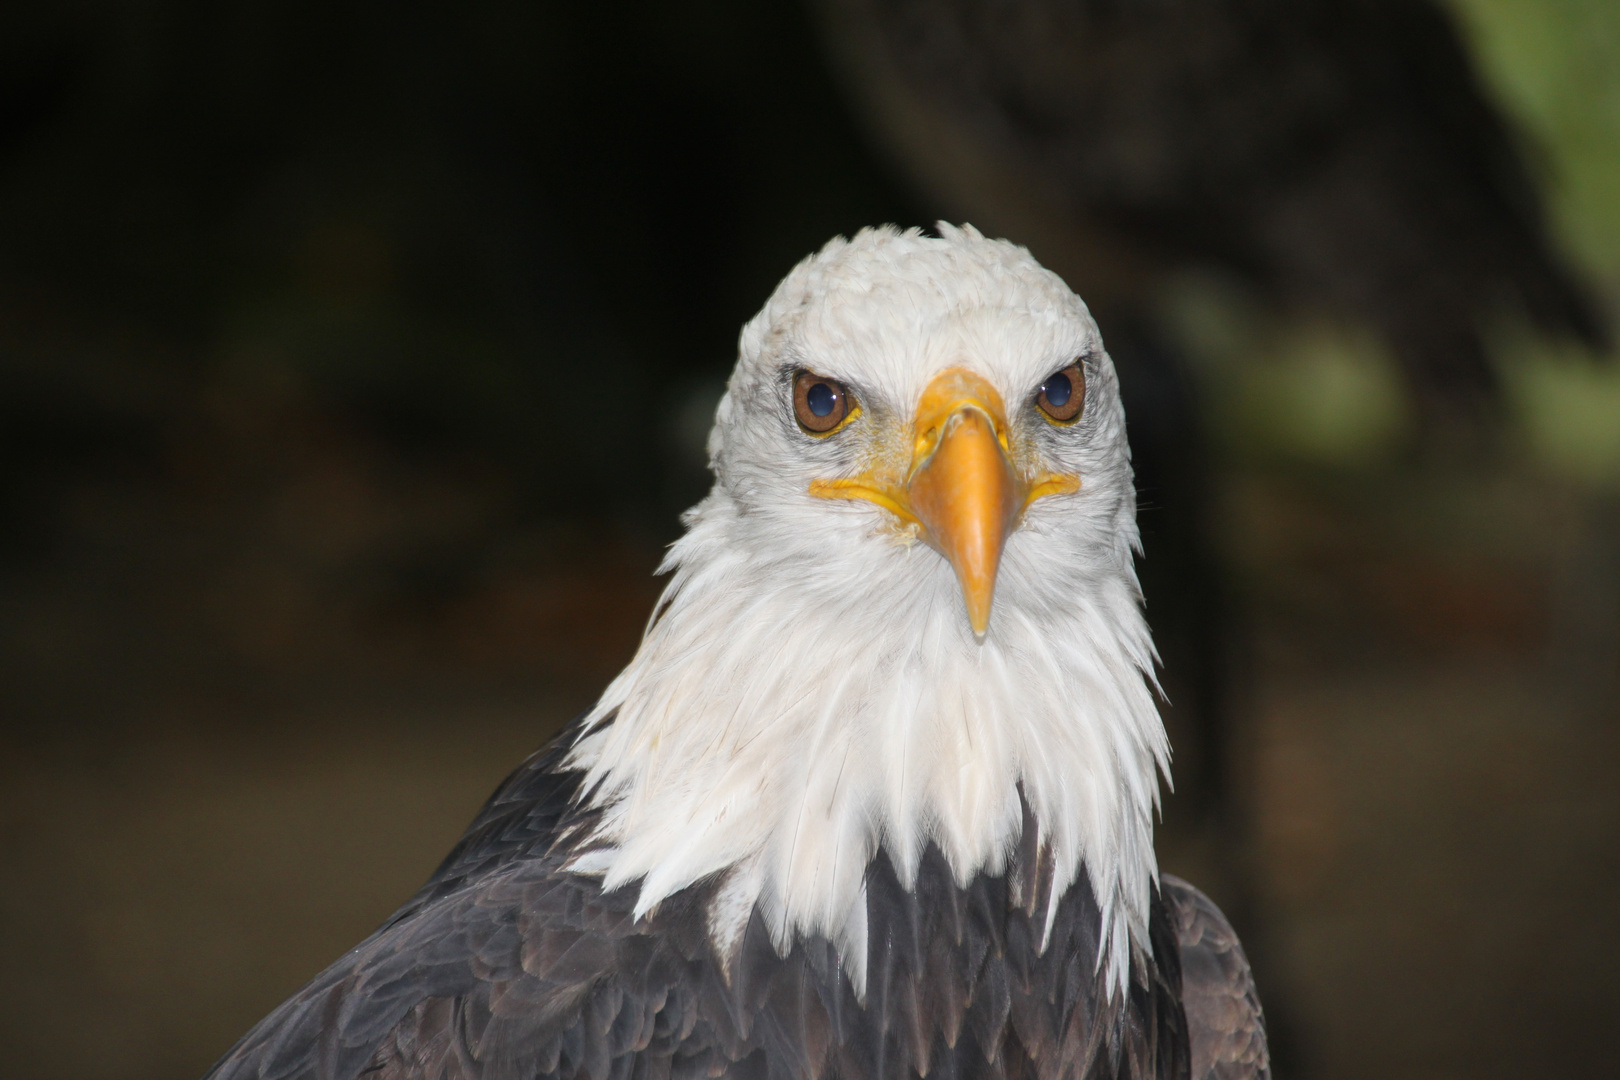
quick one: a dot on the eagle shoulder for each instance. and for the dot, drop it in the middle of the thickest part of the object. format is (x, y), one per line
(1225, 1026)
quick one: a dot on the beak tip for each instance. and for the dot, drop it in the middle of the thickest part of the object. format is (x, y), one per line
(979, 619)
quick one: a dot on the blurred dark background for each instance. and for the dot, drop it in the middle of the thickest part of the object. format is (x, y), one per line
(356, 360)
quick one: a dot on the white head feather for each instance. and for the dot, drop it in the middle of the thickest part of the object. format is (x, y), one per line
(811, 688)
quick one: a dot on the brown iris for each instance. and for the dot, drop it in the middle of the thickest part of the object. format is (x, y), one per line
(821, 404)
(1063, 395)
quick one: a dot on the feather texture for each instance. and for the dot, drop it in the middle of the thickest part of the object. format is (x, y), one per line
(1228, 1029)
(507, 966)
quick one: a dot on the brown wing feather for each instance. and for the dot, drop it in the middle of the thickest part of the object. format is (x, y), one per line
(1225, 1025)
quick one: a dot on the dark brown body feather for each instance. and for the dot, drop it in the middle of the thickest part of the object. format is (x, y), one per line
(506, 966)
(1227, 1026)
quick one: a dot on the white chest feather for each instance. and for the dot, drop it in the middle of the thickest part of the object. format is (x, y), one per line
(781, 722)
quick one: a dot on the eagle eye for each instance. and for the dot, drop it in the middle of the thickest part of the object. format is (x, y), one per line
(820, 404)
(1063, 395)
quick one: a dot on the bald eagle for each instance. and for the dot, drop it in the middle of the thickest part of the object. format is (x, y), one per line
(874, 799)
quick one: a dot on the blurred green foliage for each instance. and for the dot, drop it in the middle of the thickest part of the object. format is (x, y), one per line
(1295, 389)
(1314, 392)
(1555, 68)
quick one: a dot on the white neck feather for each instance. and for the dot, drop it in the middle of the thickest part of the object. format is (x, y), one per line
(787, 716)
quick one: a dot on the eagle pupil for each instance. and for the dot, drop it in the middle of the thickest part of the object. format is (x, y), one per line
(821, 398)
(1057, 390)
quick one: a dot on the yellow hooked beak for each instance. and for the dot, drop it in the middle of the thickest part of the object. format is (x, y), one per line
(960, 488)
